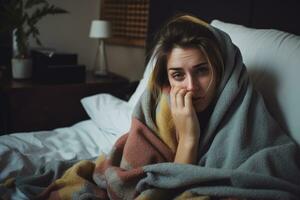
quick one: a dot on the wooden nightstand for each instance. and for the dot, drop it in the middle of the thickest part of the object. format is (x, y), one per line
(29, 106)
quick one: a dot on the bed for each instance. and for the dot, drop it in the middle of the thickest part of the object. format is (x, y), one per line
(271, 57)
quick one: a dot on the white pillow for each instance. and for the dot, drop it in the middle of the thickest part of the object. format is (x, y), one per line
(273, 61)
(109, 113)
(112, 114)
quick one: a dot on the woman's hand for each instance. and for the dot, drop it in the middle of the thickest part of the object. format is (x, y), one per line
(186, 124)
(184, 114)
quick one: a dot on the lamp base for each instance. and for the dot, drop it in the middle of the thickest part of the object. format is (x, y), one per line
(100, 62)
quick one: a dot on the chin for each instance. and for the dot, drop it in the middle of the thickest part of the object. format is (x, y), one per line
(200, 108)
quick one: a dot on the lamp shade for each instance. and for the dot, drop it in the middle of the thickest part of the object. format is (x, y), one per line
(100, 29)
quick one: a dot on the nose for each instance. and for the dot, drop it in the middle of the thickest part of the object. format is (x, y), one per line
(191, 84)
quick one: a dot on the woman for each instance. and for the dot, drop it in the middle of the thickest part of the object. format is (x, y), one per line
(189, 61)
(201, 109)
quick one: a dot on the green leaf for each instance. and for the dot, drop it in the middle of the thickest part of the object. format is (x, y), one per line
(54, 10)
(31, 3)
(37, 40)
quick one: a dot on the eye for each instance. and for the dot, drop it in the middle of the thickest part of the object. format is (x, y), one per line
(178, 76)
(203, 70)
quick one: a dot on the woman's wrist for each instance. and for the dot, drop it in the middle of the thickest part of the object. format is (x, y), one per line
(186, 151)
(188, 141)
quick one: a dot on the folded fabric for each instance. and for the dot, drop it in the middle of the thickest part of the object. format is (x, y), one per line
(143, 83)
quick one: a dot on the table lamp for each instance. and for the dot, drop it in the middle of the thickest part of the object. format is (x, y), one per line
(100, 29)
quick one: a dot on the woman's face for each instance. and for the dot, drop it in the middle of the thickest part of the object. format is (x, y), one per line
(188, 69)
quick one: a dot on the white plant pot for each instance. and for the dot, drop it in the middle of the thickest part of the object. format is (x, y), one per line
(21, 68)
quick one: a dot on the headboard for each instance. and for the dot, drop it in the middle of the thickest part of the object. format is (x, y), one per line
(277, 14)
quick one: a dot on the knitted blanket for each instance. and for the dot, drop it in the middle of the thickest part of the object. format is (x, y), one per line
(243, 153)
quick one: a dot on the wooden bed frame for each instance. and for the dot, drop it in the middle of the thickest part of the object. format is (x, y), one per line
(277, 14)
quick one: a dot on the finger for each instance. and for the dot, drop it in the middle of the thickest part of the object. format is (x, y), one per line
(173, 96)
(180, 97)
(176, 93)
(188, 99)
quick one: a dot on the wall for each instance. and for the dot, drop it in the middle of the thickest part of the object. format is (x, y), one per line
(69, 33)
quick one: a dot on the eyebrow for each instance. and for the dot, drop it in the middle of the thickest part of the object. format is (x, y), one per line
(195, 66)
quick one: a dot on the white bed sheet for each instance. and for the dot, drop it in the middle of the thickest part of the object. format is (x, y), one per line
(23, 153)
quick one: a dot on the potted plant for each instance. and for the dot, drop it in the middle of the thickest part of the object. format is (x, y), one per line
(21, 18)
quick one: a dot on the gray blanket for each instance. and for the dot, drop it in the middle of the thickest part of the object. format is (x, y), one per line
(243, 152)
